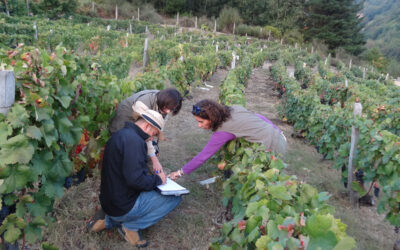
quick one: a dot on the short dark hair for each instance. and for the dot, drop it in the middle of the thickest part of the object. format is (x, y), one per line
(171, 99)
(213, 111)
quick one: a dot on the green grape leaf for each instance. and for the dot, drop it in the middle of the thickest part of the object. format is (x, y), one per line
(67, 138)
(63, 70)
(324, 196)
(260, 185)
(38, 221)
(49, 133)
(231, 146)
(359, 188)
(237, 236)
(318, 224)
(326, 241)
(307, 192)
(12, 234)
(43, 113)
(279, 192)
(49, 246)
(10, 199)
(271, 174)
(49, 69)
(263, 241)
(251, 208)
(226, 228)
(277, 246)
(49, 189)
(17, 116)
(272, 229)
(20, 209)
(293, 243)
(17, 149)
(40, 205)
(5, 131)
(64, 124)
(278, 164)
(252, 223)
(346, 243)
(19, 176)
(36, 209)
(32, 233)
(62, 166)
(20, 223)
(64, 100)
(84, 118)
(253, 234)
(263, 211)
(41, 161)
(34, 132)
(5, 171)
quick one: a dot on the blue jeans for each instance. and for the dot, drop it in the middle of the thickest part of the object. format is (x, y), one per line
(149, 208)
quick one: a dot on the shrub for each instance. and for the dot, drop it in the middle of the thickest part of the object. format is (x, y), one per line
(376, 58)
(205, 21)
(16, 8)
(275, 32)
(227, 17)
(394, 68)
(186, 21)
(148, 13)
(244, 29)
(293, 36)
(174, 6)
(55, 8)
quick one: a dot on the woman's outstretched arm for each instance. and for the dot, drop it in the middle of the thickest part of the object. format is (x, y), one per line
(217, 140)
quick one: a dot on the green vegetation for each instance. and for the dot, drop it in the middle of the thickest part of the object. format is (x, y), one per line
(69, 79)
(382, 30)
(323, 112)
(336, 23)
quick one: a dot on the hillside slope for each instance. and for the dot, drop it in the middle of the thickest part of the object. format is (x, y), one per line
(382, 26)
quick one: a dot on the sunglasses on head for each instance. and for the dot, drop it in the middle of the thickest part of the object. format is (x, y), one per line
(196, 110)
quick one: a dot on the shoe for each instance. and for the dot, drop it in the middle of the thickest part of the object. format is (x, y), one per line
(98, 222)
(133, 237)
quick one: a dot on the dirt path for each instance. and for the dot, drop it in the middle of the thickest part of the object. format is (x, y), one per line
(369, 229)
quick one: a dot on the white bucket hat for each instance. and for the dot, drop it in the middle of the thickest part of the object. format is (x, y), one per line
(153, 117)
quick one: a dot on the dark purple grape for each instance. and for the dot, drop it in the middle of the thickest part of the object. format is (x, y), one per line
(376, 191)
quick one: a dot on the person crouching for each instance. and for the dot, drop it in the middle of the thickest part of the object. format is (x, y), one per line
(127, 190)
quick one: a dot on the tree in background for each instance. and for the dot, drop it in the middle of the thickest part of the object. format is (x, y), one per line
(284, 14)
(227, 18)
(56, 8)
(336, 22)
(49, 8)
(375, 57)
(13, 7)
(174, 6)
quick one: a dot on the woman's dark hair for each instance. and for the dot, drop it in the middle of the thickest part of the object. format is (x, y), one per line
(213, 111)
(170, 99)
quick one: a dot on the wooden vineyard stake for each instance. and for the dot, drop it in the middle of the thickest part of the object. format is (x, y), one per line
(145, 58)
(7, 90)
(355, 134)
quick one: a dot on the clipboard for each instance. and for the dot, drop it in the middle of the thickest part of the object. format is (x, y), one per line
(172, 188)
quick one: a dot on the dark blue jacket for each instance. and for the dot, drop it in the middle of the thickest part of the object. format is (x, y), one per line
(124, 173)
